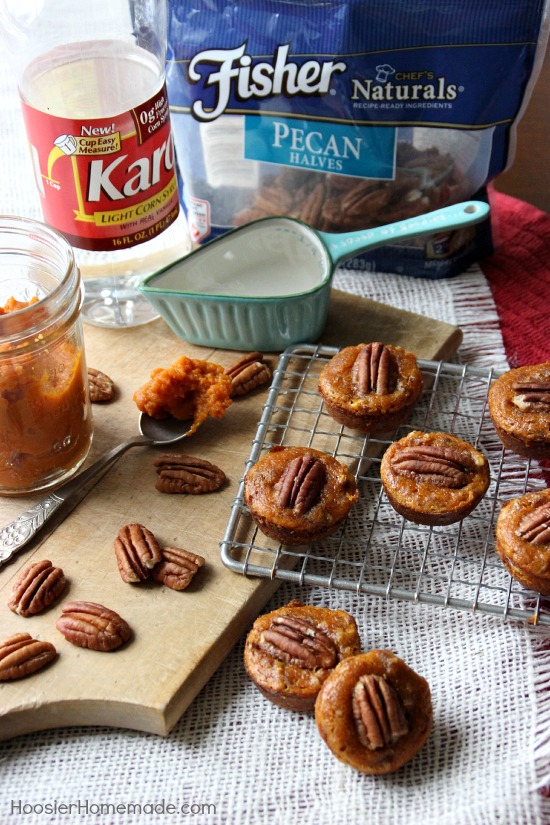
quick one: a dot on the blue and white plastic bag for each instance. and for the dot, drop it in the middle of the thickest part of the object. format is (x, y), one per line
(349, 114)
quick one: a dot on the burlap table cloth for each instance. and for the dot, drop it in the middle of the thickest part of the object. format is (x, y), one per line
(234, 758)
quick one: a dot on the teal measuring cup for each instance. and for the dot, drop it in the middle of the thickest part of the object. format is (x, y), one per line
(267, 284)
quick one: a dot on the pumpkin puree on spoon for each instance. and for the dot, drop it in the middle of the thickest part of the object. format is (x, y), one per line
(189, 389)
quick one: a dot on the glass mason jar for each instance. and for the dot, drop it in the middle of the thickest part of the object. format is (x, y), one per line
(45, 413)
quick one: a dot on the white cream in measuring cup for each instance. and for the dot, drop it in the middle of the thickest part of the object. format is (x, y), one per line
(282, 256)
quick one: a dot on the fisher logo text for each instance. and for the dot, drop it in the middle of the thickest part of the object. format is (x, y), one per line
(236, 76)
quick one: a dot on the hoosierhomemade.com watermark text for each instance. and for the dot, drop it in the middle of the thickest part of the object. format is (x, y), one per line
(86, 807)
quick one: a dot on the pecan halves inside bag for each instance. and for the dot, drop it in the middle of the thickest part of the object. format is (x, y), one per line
(425, 179)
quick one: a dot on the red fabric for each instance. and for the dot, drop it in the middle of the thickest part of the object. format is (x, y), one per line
(519, 276)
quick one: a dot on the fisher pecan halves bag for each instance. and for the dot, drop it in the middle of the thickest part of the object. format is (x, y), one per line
(349, 114)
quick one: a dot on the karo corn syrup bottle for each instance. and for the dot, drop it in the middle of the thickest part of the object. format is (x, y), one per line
(96, 113)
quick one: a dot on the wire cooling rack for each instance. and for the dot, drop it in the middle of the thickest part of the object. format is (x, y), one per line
(376, 551)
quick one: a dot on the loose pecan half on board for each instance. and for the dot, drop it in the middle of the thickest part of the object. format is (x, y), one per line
(36, 588)
(21, 655)
(91, 625)
(181, 473)
(102, 388)
(137, 551)
(177, 568)
(247, 373)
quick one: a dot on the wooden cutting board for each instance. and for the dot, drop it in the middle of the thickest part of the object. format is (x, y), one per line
(179, 638)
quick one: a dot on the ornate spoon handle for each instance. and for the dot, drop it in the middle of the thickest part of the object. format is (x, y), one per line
(17, 533)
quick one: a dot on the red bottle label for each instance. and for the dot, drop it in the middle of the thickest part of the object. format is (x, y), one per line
(106, 183)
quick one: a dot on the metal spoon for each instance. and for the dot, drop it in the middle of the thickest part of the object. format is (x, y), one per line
(153, 431)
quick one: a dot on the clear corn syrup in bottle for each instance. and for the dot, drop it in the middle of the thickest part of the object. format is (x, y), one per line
(95, 107)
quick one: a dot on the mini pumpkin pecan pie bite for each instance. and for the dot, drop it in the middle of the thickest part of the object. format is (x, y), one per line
(434, 478)
(374, 712)
(297, 495)
(290, 652)
(523, 539)
(371, 387)
(519, 405)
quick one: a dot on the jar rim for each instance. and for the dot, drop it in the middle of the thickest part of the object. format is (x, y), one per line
(23, 325)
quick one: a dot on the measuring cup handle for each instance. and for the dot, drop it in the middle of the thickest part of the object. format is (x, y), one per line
(342, 246)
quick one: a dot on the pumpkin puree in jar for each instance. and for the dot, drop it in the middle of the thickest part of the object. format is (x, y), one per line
(44, 426)
(12, 305)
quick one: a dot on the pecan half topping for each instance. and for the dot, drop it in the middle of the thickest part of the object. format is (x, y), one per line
(535, 527)
(177, 568)
(180, 473)
(442, 466)
(247, 373)
(21, 655)
(137, 551)
(301, 483)
(378, 712)
(532, 395)
(374, 371)
(91, 625)
(102, 388)
(36, 588)
(299, 642)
